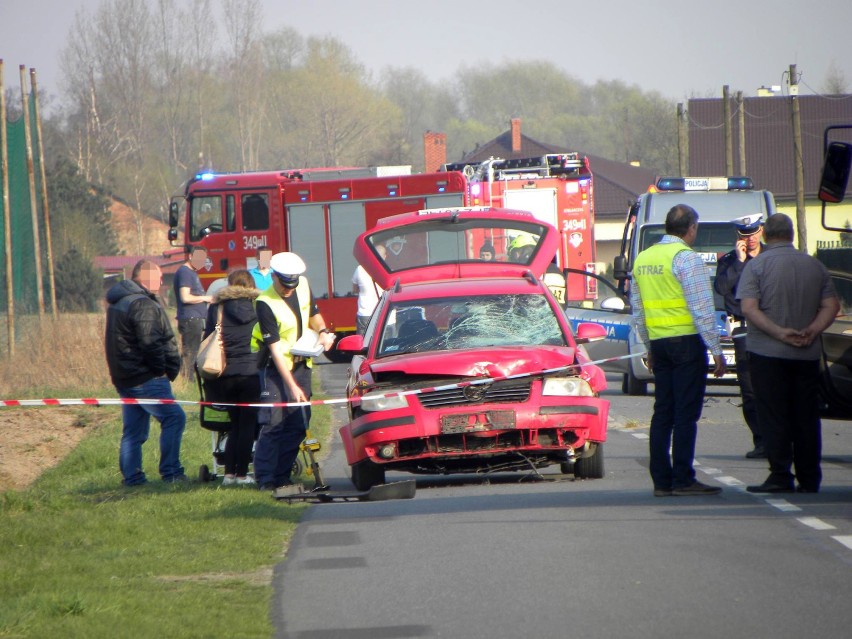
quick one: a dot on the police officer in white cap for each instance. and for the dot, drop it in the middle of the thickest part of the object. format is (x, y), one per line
(284, 312)
(728, 271)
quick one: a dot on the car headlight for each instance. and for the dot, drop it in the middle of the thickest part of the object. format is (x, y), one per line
(567, 386)
(377, 401)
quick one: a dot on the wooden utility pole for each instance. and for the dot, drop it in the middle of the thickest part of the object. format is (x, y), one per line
(45, 212)
(31, 179)
(682, 140)
(7, 220)
(729, 143)
(741, 123)
(801, 218)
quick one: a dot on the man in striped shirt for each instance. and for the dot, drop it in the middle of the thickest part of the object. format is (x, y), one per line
(674, 317)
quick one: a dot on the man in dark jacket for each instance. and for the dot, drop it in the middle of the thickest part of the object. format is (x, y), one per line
(143, 357)
(728, 271)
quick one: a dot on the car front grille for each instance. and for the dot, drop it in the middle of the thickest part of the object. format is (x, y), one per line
(510, 391)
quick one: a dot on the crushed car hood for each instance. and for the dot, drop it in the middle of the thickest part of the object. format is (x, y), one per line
(498, 361)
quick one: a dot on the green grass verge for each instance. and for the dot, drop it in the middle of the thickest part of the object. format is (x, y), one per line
(83, 556)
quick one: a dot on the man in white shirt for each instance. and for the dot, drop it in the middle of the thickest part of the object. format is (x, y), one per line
(368, 293)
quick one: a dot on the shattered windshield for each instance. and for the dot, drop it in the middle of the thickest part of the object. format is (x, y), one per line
(477, 321)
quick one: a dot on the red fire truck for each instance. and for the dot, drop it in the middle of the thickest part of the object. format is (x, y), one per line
(317, 212)
(556, 188)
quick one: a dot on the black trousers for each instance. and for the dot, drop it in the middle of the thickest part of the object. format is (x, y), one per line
(190, 331)
(746, 387)
(786, 392)
(237, 389)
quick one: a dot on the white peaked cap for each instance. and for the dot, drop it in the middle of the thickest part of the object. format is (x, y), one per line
(287, 264)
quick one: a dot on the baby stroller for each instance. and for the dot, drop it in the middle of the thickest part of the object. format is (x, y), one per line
(217, 420)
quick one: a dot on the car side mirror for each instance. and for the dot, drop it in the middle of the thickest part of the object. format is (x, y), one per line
(619, 267)
(613, 304)
(590, 332)
(835, 172)
(352, 344)
(173, 214)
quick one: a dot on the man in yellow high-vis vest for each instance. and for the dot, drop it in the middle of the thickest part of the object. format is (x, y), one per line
(284, 311)
(674, 315)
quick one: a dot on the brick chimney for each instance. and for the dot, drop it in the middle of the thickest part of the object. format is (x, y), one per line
(434, 151)
(516, 135)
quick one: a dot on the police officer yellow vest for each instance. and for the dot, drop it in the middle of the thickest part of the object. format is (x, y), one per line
(287, 325)
(666, 311)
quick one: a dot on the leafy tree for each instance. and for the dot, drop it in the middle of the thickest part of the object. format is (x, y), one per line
(79, 216)
(423, 106)
(79, 286)
(159, 89)
(330, 114)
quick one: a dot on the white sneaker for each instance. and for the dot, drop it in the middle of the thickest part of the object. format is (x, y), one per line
(246, 481)
(229, 481)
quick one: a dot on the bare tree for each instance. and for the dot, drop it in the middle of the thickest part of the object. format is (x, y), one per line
(835, 80)
(338, 115)
(245, 74)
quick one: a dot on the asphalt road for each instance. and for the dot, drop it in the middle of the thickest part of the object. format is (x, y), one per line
(511, 556)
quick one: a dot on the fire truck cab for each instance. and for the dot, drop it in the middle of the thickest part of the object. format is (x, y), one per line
(316, 213)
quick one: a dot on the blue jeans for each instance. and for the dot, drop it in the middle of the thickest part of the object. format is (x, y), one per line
(282, 428)
(137, 422)
(680, 378)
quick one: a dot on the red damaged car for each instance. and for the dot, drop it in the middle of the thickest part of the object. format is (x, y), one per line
(467, 365)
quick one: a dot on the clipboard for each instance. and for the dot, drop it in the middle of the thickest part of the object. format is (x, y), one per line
(307, 345)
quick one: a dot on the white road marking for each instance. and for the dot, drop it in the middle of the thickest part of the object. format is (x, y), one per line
(846, 540)
(782, 505)
(729, 481)
(816, 523)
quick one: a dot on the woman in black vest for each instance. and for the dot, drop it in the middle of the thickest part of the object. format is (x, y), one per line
(239, 383)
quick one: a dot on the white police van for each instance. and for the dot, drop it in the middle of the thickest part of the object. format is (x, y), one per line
(718, 201)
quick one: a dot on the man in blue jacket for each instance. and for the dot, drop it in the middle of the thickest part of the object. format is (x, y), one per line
(143, 358)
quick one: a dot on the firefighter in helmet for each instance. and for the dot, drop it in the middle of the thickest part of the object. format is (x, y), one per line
(521, 248)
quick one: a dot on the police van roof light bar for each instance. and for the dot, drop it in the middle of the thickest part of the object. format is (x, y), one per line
(738, 183)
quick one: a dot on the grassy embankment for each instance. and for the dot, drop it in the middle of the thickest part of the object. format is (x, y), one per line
(82, 556)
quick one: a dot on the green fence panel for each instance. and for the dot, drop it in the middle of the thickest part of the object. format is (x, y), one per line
(24, 274)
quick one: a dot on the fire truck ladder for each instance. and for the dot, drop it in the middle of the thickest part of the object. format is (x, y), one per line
(493, 169)
(498, 169)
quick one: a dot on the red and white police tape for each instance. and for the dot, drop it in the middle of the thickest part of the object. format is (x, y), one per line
(122, 401)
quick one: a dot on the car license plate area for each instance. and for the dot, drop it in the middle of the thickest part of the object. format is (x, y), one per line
(730, 359)
(475, 422)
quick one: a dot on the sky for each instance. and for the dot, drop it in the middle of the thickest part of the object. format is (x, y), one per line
(679, 49)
